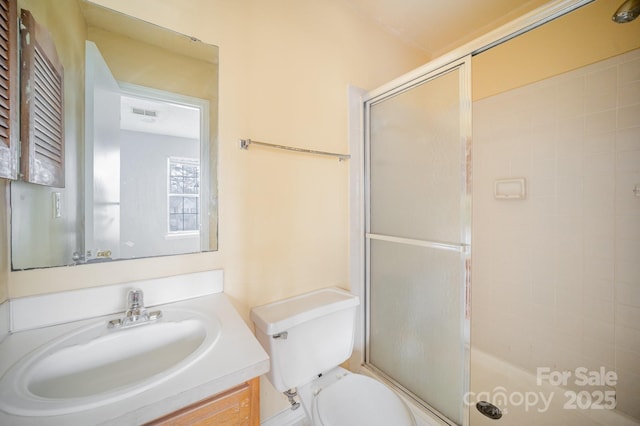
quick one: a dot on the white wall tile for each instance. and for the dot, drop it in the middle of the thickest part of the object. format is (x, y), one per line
(599, 143)
(570, 167)
(543, 286)
(598, 247)
(628, 292)
(569, 298)
(626, 201)
(627, 316)
(601, 331)
(598, 352)
(628, 161)
(569, 330)
(543, 321)
(520, 163)
(569, 266)
(598, 288)
(598, 309)
(599, 163)
(599, 195)
(542, 112)
(627, 272)
(627, 266)
(627, 139)
(570, 98)
(564, 262)
(542, 188)
(628, 227)
(601, 122)
(543, 168)
(570, 136)
(629, 94)
(600, 268)
(628, 338)
(629, 71)
(601, 90)
(544, 140)
(629, 116)
(628, 360)
(628, 381)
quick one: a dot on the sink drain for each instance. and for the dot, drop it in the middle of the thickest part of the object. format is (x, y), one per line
(489, 410)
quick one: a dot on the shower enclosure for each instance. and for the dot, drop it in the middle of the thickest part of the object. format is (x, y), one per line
(418, 221)
(555, 271)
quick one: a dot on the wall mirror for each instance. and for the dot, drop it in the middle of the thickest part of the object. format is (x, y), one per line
(141, 170)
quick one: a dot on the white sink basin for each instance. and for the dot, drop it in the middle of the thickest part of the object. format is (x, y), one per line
(95, 366)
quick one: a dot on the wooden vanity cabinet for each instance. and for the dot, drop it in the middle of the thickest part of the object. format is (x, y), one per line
(239, 406)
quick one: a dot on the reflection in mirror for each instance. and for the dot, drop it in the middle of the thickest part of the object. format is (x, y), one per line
(144, 197)
(150, 124)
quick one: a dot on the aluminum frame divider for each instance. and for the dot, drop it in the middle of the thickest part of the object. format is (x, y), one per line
(464, 248)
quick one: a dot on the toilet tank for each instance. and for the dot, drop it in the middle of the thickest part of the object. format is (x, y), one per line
(306, 335)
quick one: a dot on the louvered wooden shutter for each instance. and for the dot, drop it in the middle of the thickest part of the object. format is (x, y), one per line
(9, 151)
(42, 106)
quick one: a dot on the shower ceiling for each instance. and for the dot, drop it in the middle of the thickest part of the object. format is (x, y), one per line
(437, 26)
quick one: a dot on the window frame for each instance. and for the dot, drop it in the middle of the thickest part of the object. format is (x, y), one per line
(190, 161)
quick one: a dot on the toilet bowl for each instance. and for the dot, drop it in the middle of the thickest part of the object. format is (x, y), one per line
(307, 337)
(342, 398)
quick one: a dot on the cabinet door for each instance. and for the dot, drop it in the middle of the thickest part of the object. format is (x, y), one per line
(42, 106)
(9, 141)
(239, 406)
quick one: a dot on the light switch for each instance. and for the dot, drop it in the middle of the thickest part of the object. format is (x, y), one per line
(57, 207)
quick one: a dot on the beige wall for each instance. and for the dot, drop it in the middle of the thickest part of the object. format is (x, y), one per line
(141, 63)
(584, 36)
(284, 71)
(283, 79)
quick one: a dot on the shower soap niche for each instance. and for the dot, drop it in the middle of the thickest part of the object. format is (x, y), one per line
(510, 189)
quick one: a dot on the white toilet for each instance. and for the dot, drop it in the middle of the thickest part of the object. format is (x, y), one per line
(307, 337)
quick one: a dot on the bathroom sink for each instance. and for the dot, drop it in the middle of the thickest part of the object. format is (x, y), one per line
(95, 365)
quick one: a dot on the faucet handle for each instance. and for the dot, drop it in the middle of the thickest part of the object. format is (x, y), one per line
(135, 299)
(136, 313)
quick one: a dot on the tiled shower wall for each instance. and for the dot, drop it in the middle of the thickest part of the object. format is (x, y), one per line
(556, 276)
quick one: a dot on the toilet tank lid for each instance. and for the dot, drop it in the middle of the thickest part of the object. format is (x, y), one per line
(279, 316)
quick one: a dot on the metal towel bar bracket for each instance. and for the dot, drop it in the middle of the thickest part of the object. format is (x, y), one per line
(244, 144)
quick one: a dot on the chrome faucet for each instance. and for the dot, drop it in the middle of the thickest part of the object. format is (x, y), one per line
(136, 313)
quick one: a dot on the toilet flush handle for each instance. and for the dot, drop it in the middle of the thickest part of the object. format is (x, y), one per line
(282, 335)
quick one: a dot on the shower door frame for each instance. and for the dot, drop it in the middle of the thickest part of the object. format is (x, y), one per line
(356, 98)
(463, 66)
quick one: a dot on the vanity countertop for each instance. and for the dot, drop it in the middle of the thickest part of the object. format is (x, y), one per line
(236, 358)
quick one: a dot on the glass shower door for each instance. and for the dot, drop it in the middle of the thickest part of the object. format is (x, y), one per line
(418, 238)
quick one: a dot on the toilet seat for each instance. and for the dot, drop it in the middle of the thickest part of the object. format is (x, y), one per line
(359, 400)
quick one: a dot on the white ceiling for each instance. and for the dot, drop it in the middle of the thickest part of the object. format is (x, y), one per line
(437, 26)
(162, 118)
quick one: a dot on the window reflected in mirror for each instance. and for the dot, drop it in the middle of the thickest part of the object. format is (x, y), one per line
(184, 195)
(141, 131)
